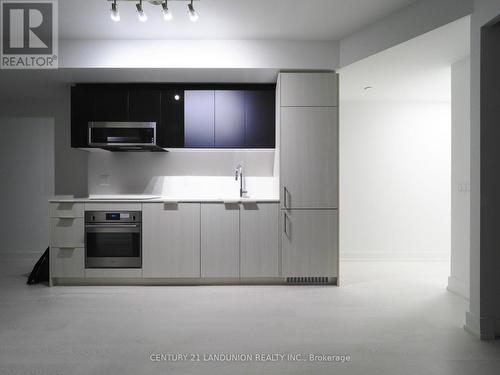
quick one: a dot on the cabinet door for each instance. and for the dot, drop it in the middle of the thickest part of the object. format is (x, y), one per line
(220, 236)
(309, 89)
(310, 243)
(309, 157)
(67, 262)
(172, 118)
(199, 121)
(82, 111)
(259, 240)
(145, 105)
(171, 244)
(229, 119)
(260, 119)
(110, 104)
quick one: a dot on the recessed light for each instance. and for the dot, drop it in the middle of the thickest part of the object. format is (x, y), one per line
(177, 97)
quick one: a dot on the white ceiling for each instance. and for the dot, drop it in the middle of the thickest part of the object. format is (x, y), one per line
(416, 70)
(226, 19)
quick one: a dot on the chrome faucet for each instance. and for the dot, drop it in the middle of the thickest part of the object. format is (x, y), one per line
(239, 174)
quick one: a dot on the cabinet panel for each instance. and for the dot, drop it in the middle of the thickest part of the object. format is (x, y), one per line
(66, 209)
(199, 118)
(229, 118)
(145, 105)
(220, 234)
(309, 89)
(67, 232)
(259, 240)
(260, 119)
(82, 111)
(111, 104)
(309, 157)
(172, 117)
(67, 262)
(171, 242)
(310, 243)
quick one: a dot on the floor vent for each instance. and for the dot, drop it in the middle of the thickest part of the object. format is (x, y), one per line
(308, 280)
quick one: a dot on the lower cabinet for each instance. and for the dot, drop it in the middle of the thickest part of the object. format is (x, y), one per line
(259, 242)
(220, 236)
(171, 240)
(67, 262)
(309, 243)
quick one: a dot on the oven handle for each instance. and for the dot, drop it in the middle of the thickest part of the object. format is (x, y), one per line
(112, 226)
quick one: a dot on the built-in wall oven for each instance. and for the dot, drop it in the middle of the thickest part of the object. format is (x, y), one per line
(113, 239)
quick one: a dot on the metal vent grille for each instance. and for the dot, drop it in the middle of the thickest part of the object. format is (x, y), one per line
(308, 280)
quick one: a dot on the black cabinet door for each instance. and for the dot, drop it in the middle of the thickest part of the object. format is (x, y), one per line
(199, 109)
(82, 111)
(144, 105)
(111, 104)
(229, 119)
(260, 119)
(172, 119)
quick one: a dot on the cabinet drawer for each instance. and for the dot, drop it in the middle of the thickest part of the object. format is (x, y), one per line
(309, 89)
(67, 232)
(113, 206)
(66, 209)
(67, 262)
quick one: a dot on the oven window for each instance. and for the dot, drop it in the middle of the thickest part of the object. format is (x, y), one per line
(113, 245)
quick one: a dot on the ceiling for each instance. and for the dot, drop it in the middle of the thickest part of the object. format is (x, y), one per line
(226, 19)
(415, 70)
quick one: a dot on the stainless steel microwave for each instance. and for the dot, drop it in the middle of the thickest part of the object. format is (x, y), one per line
(123, 136)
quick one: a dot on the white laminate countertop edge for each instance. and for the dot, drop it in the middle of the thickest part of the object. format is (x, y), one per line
(165, 200)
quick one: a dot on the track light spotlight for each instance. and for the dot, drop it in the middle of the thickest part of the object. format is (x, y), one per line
(115, 15)
(193, 16)
(140, 12)
(167, 15)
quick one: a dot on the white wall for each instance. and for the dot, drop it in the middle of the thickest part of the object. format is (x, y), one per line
(395, 180)
(458, 281)
(183, 174)
(27, 182)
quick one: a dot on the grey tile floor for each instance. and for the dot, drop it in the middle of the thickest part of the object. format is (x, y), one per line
(390, 318)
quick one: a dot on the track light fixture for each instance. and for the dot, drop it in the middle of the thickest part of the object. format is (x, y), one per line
(167, 15)
(193, 16)
(115, 15)
(141, 14)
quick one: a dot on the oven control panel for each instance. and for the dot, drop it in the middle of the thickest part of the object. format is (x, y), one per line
(113, 216)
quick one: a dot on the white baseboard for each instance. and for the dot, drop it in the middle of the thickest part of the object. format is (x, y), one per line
(483, 328)
(458, 286)
(395, 256)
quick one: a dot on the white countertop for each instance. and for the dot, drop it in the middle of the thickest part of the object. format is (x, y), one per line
(159, 199)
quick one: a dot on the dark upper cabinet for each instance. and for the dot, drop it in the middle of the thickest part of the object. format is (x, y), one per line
(229, 119)
(260, 119)
(82, 111)
(172, 114)
(199, 118)
(144, 105)
(111, 104)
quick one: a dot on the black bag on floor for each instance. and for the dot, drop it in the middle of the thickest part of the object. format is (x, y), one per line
(40, 272)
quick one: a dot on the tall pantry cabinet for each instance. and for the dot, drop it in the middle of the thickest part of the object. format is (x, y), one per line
(308, 143)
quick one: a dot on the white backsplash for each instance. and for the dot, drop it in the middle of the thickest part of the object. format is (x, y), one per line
(183, 174)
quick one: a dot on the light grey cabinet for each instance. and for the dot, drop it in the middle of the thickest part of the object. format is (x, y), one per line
(309, 157)
(220, 236)
(67, 262)
(171, 240)
(310, 243)
(309, 89)
(259, 240)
